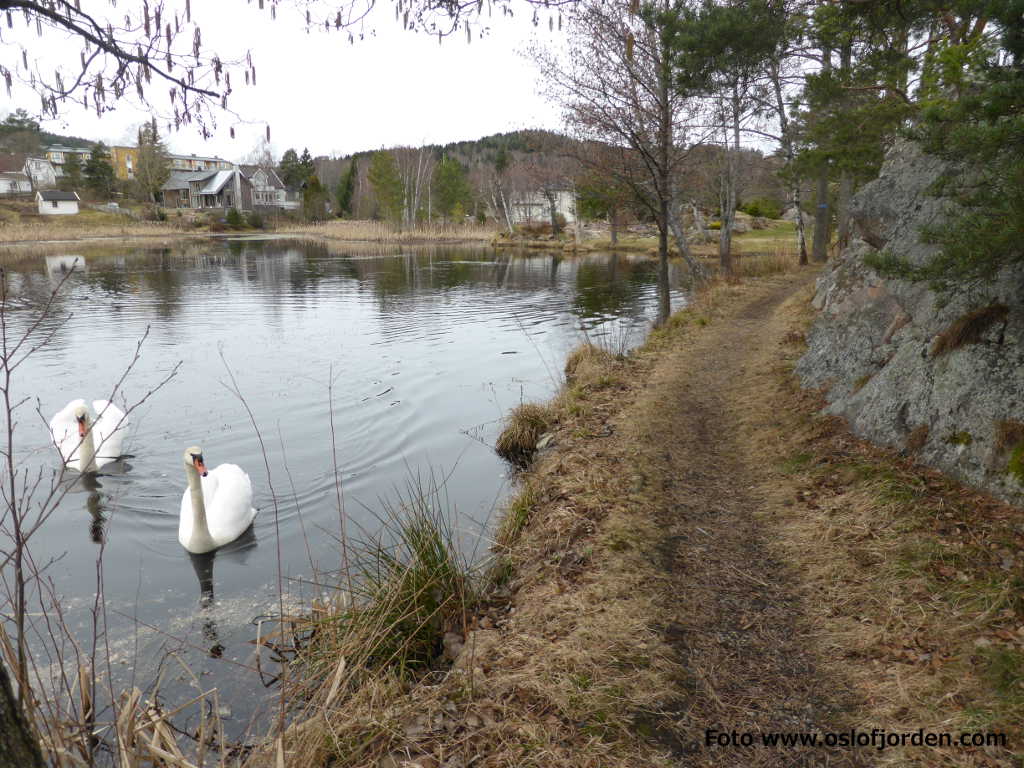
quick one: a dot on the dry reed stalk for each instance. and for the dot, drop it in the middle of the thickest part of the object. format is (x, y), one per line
(381, 232)
(26, 233)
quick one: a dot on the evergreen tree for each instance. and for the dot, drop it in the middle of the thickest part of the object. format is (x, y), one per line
(99, 173)
(451, 187)
(306, 166)
(153, 164)
(289, 169)
(387, 185)
(314, 200)
(72, 179)
(346, 190)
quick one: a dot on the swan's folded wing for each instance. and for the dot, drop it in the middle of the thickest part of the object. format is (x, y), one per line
(108, 429)
(64, 430)
(229, 504)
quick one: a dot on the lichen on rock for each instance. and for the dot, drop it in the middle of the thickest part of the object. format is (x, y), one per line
(876, 343)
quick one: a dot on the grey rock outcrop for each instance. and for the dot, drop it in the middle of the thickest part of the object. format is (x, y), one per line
(874, 344)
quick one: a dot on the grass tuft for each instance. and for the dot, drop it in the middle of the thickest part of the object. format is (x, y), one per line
(917, 438)
(969, 329)
(518, 441)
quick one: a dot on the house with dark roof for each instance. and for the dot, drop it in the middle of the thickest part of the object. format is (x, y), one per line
(208, 189)
(56, 202)
(268, 191)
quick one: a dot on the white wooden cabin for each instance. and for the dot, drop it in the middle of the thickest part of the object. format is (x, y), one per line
(54, 202)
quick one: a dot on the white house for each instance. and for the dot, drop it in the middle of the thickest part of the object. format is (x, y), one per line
(14, 183)
(267, 188)
(53, 202)
(42, 172)
(535, 206)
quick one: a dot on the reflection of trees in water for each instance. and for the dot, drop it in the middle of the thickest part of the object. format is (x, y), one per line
(610, 286)
(405, 281)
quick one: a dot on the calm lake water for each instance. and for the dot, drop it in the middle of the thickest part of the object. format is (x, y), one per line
(428, 349)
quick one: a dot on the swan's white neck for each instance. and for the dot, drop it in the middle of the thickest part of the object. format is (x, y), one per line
(87, 452)
(200, 541)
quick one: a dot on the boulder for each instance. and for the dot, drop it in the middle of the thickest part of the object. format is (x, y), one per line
(894, 354)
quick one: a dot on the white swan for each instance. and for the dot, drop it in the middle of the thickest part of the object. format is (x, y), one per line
(215, 509)
(86, 444)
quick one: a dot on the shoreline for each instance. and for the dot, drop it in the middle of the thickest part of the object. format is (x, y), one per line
(679, 555)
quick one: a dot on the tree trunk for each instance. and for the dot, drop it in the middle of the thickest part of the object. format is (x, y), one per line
(697, 270)
(822, 211)
(727, 203)
(822, 219)
(664, 297)
(787, 147)
(801, 235)
(18, 747)
(555, 229)
(845, 198)
(698, 221)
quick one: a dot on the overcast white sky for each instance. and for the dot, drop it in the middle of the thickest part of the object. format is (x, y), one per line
(318, 91)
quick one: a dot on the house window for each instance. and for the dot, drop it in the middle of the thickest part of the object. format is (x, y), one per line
(54, 204)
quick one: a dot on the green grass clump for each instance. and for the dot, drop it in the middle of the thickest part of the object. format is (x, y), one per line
(516, 516)
(409, 585)
(960, 438)
(1015, 466)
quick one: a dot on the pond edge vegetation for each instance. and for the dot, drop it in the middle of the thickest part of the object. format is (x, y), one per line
(475, 685)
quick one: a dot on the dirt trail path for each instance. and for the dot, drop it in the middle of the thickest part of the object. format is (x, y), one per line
(740, 628)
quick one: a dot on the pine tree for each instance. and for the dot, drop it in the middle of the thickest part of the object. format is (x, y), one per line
(387, 185)
(451, 187)
(289, 169)
(72, 172)
(346, 189)
(314, 200)
(99, 173)
(153, 164)
(306, 166)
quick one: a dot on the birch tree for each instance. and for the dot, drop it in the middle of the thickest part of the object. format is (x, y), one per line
(615, 82)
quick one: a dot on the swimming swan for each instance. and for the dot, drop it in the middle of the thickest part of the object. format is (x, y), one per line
(216, 509)
(86, 444)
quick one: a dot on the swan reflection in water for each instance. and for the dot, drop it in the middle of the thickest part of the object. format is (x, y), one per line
(238, 551)
(96, 503)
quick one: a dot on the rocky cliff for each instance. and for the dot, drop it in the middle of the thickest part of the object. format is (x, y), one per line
(940, 377)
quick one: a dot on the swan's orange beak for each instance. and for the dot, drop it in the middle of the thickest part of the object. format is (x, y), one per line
(81, 427)
(200, 466)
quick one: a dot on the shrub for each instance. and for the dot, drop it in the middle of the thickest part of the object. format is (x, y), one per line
(763, 206)
(234, 219)
(255, 220)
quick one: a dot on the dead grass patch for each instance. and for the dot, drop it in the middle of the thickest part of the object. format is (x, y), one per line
(382, 232)
(917, 438)
(918, 579)
(526, 423)
(969, 329)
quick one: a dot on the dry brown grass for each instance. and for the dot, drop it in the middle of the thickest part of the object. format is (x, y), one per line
(911, 601)
(381, 232)
(46, 231)
(526, 423)
(586, 363)
(1009, 434)
(969, 329)
(917, 438)
(775, 261)
(918, 580)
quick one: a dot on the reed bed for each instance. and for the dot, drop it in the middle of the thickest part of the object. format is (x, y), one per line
(47, 231)
(382, 232)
